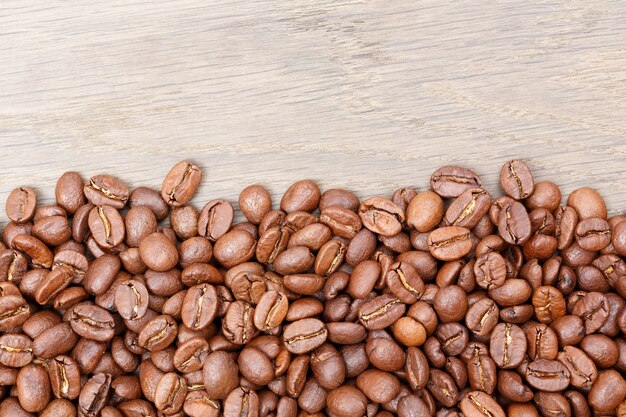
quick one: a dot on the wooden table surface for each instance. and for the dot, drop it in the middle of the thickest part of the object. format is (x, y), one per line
(368, 95)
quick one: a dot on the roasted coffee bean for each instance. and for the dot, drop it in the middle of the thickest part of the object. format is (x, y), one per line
(510, 385)
(14, 311)
(15, 350)
(304, 335)
(583, 371)
(490, 270)
(199, 306)
(542, 342)
(507, 345)
(424, 211)
(547, 375)
(442, 387)
(54, 341)
(106, 226)
(404, 282)
(482, 317)
(131, 299)
(94, 395)
(342, 221)
(180, 183)
(106, 190)
(69, 191)
(608, 391)
(301, 196)
(381, 312)
(271, 310)
(381, 216)
(64, 377)
(468, 208)
(549, 304)
(449, 243)
(516, 179)
(158, 333)
(514, 224)
(346, 401)
(92, 322)
(588, 203)
(479, 403)
(238, 323)
(451, 181)
(21, 204)
(33, 388)
(40, 255)
(378, 386)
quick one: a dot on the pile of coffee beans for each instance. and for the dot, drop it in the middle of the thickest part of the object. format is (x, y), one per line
(432, 301)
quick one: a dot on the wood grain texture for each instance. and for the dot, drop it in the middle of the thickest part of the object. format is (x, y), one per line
(368, 95)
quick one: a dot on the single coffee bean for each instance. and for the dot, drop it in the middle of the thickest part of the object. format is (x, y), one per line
(343, 222)
(181, 183)
(482, 317)
(449, 243)
(582, 370)
(54, 341)
(199, 306)
(346, 401)
(304, 335)
(516, 179)
(377, 385)
(450, 303)
(238, 323)
(313, 236)
(234, 247)
(94, 395)
(158, 252)
(507, 345)
(490, 270)
(542, 342)
(15, 350)
(451, 181)
(608, 391)
(21, 204)
(479, 403)
(381, 312)
(33, 388)
(329, 257)
(106, 190)
(363, 278)
(301, 196)
(588, 203)
(14, 311)
(92, 322)
(404, 282)
(468, 208)
(339, 197)
(442, 387)
(409, 331)
(255, 202)
(69, 191)
(215, 219)
(64, 377)
(424, 211)
(40, 255)
(107, 226)
(131, 299)
(381, 216)
(593, 309)
(549, 304)
(510, 385)
(514, 224)
(158, 333)
(271, 310)
(547, 375)
(546, 195)
(328, 366)
(170, 393)
(593, 234)
(241, 402)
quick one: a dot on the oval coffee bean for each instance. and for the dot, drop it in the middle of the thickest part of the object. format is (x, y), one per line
(181, 183)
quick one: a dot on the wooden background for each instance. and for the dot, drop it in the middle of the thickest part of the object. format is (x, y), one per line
(369, 95)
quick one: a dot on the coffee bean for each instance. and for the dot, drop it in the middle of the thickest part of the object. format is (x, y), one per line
(69, 191)
(94, 395)
(21, 204)
(516, 179)
(468, 208)
(608, 391)
(449, 243)
(107, 226)
(547, 375)
(15, 350)
(181, 183)
(271, 310)
(241, 402)
(106, 190)
(549, 304)
(507, 345)
(514, 224)
(381, 216)
(343, 222)
(158, 333)
(588, 203)
(378, 386)
(64, 377)
(442, 387)
(238, 323)
(478, 403)
(304, 335)
(404, 282)
(381, 312)
(92, 322)
(199, 306)
(346, 401)
(33, 388)
(424, 211)
(451, 181)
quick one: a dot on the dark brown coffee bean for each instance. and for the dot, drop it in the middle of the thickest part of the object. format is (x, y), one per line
(131, 299)
(343, 222)
(608, 391)
(54, 341)
(52, 230)
(234, 247)
(482, 317)
(33, 388)
(170, 393)
(442, 387)
(593, 234)
(107, 226)
(479, 404)
(582, 370)
(271, 310)
(510, 385)
(516, 179)
(507, 345)
(381, 216)
(341, 198)
(238, 323)
(328, 366)
(514, 224)
(547, 375)
(40, 255)
(14, 311)
(404, 282)
(220, 374)
(199, 306)
(69, 191)
(593, 309)
(588, 203)
(468, 208)
(363, 278)
(304, 335)
(241, 402)
(106, 190)
(378, 386)
(158, 252)
(449, 243)
(450, 303)
(346, 401)
(13, 266)
(92, 322)
(55, 282)
(381, 312)
(158, 333)
(94, 395)
(451, 181)
(181, 183)
(542, 342)
(490, 270)
(15, 350)
(64, 377)
(513, 292)
(549, 304)
(21, 204)
(304, 284)
(329, 257)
